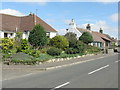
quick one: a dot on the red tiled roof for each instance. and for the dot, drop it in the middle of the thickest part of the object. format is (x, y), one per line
(10, 23)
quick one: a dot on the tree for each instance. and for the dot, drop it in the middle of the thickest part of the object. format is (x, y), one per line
(86, 37)
(70, 35)
(37, 37)
(71, 38)
(59, 42)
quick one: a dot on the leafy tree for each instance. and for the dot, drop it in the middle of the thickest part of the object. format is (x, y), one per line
(59, 42)
(70, 35)
(71, 38)
(37, 37)
(86, 37)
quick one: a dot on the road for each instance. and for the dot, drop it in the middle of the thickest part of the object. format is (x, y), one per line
(99, 73)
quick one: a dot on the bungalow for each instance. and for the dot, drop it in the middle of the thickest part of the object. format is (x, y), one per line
(99, 39)
(11, 24)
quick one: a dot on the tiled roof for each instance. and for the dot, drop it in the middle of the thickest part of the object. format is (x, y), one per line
(10, 23)
(96, 35)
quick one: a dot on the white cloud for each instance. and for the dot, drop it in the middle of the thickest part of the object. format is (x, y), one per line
(114, 17)
(111, 30)
(61, 31)
(11, 12)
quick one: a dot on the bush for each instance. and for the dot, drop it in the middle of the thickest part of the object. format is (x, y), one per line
(80, 46)
(59, 42)
(71, 51)
(86, 37)
(54, 51)
(23, 46)
(34, 53)
(92, 49)
(44, 57)
(6, 45)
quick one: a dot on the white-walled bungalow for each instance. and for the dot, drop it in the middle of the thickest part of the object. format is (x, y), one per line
(11, 24)
(99, 39)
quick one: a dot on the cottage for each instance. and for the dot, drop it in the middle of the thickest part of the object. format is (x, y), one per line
(99, 39)
(11, 24)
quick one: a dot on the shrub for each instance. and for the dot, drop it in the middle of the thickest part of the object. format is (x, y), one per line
(21, 56)
(92, 49)
(86, 37)
(37, 37)
(71, 51)
(34, 53)
(59, 42)
(6, 45)
(17, 39)
(54, 51)
(80, 46)
(44, 57)
(23, 46)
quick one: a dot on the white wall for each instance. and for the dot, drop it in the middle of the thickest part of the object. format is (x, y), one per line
(1, 34)
(53, 34)
(25, 35)
(72, 28)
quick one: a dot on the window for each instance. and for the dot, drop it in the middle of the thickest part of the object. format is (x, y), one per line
(11, 34)
(5, 34)
(48, 34)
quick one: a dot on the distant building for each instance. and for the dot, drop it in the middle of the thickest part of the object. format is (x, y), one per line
(11, 24)
(99, 39)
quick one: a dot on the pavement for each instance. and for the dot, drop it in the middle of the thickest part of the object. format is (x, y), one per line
(99, 72)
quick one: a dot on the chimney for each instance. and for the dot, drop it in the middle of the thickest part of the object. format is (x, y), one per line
(101, 31)
(30, 14)
(88, 27)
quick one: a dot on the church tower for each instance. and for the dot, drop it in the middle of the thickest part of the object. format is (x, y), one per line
(72, 25)
(73, 28)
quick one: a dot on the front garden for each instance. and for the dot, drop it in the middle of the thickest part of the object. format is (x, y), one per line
(39, 48)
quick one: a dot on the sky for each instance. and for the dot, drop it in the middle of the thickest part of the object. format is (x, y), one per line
(59, 14)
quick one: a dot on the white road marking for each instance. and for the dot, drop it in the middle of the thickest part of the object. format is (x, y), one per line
(27, 74)
(117, 61)
(61, 85)
(98, 69)
(18, 76)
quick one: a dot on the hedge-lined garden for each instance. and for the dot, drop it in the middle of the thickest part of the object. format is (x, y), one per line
(40, 48)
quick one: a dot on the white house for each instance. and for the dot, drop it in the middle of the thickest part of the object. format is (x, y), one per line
(99, 39)
(11, 24)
